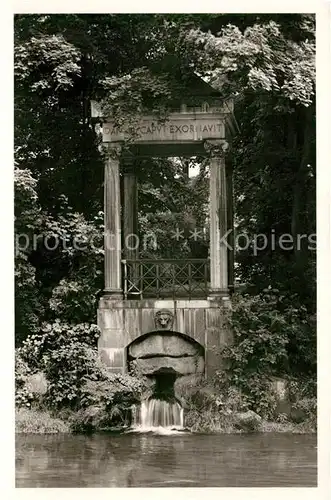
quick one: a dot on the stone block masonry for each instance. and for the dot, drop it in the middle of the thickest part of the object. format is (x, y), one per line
(185, 342)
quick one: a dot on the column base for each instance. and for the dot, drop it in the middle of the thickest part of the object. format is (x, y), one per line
(218, 293)
(113, 293)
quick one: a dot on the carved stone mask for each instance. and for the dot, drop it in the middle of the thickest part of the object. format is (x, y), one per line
(164, 319)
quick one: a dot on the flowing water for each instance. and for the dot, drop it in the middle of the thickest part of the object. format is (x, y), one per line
(174, 460)
(158, 415)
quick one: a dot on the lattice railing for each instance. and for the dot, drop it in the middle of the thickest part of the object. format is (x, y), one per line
(166, 278)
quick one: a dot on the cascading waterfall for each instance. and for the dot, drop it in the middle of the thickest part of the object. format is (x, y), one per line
(156, 414)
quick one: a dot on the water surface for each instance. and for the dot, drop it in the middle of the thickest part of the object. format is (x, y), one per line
(181, 460)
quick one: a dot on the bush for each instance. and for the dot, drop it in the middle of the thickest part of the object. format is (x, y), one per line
(54, 336)
(67, 354)
(38, 422)
(76, 378)
(107, 402)
(23, 396)
(263, 326)
(303, 397)
(207, 409)
(67, 370)
(28, 300)
(75, 299)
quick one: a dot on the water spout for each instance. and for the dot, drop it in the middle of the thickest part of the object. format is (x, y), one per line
(156, 415)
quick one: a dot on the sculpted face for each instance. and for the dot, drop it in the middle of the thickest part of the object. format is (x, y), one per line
(163, 319)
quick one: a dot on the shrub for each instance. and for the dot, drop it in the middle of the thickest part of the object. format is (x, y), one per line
(37, 383)
(75, 299)
(23, 396)
(262, 327)
(207, 409)
(67, 354)
(107, 402)
(303, 397)
(67, 370)
(76, 378)
(38, 422)
(54, 336)
(28, 300)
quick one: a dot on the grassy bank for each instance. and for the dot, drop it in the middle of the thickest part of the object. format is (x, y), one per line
(33, 421)
(214, 423)
(214, 410)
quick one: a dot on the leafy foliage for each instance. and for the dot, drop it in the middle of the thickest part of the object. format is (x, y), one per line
(108, 402)
(38, 422)
(27, 220)
(207, 409)
(80, 252)
(303, 395)
(260, 58)
(131, 95)
(265, 327)
(27, 301)
(67, 355)
(77, 379)
(52, 57)
(23, 397)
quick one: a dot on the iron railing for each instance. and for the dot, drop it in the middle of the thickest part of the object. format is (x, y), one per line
(165, 278)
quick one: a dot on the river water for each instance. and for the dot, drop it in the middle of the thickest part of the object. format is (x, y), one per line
(175, 460)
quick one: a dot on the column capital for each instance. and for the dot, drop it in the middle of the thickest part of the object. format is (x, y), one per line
(112, 150)
(216, 148)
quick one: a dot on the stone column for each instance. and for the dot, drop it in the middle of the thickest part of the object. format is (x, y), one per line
(112, 210)
(218, 219)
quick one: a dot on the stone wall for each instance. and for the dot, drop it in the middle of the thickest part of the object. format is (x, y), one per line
(124, 321)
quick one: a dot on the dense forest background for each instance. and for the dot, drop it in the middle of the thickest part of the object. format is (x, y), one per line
(265, 62)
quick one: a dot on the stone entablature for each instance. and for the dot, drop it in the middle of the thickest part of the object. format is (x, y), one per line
(178, 127)
(189, 125)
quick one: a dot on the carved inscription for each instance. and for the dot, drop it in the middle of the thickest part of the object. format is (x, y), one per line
(173, 130)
